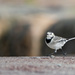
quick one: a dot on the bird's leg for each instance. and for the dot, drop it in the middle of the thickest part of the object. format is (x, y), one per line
(63, 52)
(56, 51)
(53, 53)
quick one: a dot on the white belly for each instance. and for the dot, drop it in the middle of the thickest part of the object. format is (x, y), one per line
(56, 45)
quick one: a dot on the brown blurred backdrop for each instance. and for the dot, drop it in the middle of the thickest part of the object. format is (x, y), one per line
(24, 23)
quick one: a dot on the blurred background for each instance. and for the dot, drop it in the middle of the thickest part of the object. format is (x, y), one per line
(24, 24)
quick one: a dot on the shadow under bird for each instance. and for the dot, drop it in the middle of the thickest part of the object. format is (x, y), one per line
(56, 42)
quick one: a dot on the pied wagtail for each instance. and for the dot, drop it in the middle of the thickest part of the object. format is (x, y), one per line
(56, 42)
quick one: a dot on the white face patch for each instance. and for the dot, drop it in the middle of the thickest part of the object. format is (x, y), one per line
(50, 35)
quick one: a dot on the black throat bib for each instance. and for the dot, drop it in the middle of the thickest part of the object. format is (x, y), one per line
(48, 40)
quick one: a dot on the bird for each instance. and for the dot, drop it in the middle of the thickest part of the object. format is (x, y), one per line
(56, 42)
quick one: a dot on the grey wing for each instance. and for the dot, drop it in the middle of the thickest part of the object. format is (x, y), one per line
(59, 39)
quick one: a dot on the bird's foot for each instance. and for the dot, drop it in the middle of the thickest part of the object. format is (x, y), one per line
(51, 55)
(64, 54)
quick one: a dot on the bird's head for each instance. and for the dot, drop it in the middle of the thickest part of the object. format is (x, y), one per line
(50, 35)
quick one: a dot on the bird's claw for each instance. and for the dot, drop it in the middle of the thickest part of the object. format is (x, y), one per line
(64, 54)
(51, 55)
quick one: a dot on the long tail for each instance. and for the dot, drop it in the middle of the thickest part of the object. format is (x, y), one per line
(71, 39)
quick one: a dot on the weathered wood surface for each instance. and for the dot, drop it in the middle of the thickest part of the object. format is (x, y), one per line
(37, 66)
